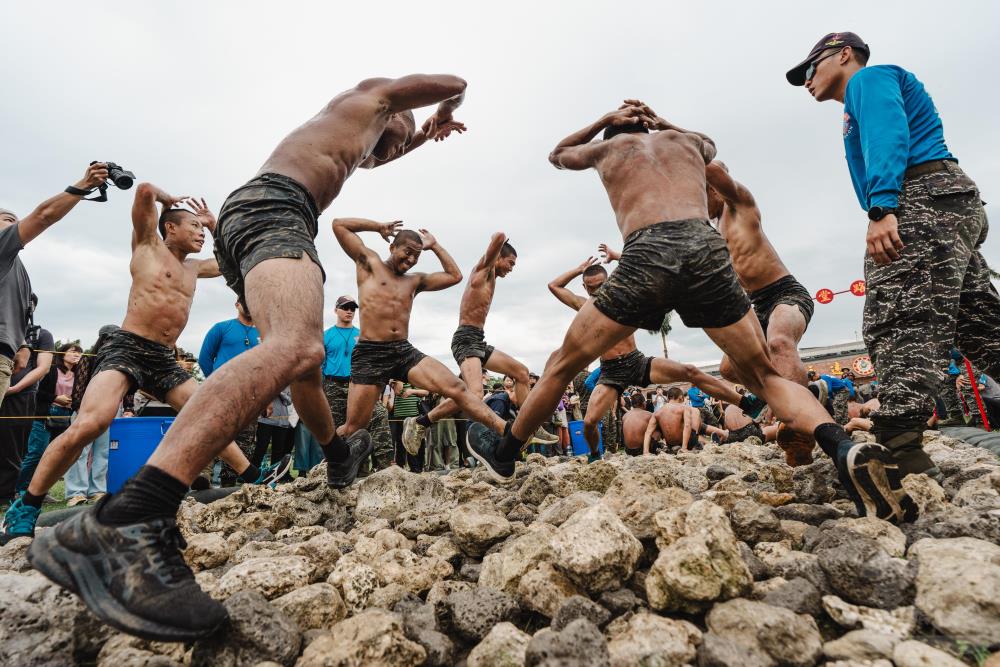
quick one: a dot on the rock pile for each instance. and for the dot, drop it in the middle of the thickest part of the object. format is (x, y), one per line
(719, 557)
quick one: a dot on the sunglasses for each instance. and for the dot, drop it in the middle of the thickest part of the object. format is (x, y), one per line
(348, 308)
(811, 70)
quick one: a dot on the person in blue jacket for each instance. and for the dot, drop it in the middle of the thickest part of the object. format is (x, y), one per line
(928, 286)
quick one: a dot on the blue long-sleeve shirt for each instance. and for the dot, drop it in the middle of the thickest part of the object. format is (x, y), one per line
(890, 124)
(697, 397)
(836, 384)
(224, 341)
(591, 382)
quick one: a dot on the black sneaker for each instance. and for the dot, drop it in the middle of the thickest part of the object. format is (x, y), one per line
(483, 443)
(133, 578)
(341, 475)
(873, 480)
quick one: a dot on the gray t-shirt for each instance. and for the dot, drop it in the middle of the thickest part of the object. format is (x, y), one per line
(15, 290)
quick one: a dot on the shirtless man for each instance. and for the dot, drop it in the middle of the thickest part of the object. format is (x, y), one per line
(623, 365)
(469, 347)
(386, 291)
(634, 424)
(141, 354)
(781, 303)
(674, 260)
(741, 427)
(677, 424)
(266, 252)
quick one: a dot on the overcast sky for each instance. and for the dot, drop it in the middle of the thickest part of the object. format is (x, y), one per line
(193, 96)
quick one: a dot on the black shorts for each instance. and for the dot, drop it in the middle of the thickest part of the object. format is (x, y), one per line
(744, 432)
(682, 265)
(470, 341)
(628, 370)
(150, 366)
(377, 362)
(786, 290)
(654, 447)
(272, 216)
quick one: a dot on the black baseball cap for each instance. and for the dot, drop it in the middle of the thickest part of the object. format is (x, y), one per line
(346, 300)
(797, 75)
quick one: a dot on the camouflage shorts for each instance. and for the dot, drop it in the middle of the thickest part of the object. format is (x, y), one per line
(272, 216)
(628, 370)
(788, 291)
(937, 295)
(744, 432)
(376, 362)
(683, 265)
(336, 395)
(470, 341)
(150, 366)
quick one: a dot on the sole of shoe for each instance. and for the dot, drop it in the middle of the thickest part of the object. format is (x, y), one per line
(411, 442)
(346, 481)
(477, 430)
(76, 573)
(279, 472)
(876, 477)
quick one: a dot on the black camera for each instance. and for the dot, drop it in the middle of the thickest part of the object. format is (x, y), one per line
(121, 177)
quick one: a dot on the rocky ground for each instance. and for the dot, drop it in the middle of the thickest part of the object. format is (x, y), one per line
(721, 557)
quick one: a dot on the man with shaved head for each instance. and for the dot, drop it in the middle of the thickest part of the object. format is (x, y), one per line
(266, 251)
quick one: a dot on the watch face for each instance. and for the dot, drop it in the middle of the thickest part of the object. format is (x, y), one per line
(875, 213)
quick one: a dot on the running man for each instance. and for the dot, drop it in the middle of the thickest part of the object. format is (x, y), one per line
(469, 347)
(386, 291)
(623, 365)
(140, 355)
(781, 303)
(674, 260)
(265, 249)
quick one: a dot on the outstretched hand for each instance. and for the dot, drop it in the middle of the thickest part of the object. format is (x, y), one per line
(388, 230)
(610, 254)
(202, 212)
(587, 263)
(428, 239)
(439, 129)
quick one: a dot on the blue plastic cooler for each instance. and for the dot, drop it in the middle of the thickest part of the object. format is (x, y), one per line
(579, 442)
(133, 440)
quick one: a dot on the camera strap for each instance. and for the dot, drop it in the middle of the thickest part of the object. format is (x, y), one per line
(83, 193)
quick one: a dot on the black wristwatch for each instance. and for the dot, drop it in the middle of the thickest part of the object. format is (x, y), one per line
(876, 213)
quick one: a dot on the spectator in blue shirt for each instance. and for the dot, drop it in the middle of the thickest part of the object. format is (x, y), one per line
(698, 400)
(226, 340)
(928, 286)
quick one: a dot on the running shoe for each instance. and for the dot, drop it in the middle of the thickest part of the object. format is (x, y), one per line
(873, 480)
(18, 521)
(483, 443)
(73, 501)
(413, 435)
(133, 577)
(269, 475)
(798, 447)
(341, 475)
(543, 437)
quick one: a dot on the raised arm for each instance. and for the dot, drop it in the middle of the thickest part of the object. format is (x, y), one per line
(420, 90)
(346, 230)
(578, 151)
(451, 275)
(54, 209)
(708, 146)
(492, 254)
(145, 216)
(558, 285)
(733, 192)
(207, 268)
(610, 254)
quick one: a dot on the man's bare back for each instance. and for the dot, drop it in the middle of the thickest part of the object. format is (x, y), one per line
(365, 126)
(634, 427)
(163, 277)
(756, 262)
(670, 421)
(649, 178)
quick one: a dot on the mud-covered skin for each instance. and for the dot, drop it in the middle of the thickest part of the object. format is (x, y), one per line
(744, 432)
(272, 216)
(378, 427)
(470, 341)
(150, 366)
(786, 290)
(376, 362)
(629, 370)
(937, 295)
(680, 265)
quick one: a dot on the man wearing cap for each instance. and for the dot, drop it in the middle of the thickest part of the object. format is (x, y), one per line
(339, 341)
(928, 286)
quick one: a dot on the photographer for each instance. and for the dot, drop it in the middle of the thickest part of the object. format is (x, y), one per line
(15, 286)
(19, 406)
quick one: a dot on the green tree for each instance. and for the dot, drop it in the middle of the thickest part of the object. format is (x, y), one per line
(665, 328)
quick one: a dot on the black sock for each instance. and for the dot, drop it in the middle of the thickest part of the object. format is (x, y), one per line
(150, 494)
(829, 436)
(250, 474)
(746, 405)
(424, 420)
(31, 500)
(510, 446)
(336, 451)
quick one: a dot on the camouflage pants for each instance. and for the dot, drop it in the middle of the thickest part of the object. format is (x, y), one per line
(708, 416)
(581, 389)
(952, 403)
(840, 401)
(609, 432)
(378, 427)
(246, 440)
(935, 296)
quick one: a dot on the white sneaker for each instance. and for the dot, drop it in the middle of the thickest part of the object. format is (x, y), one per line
(76, 500)
(413, 435)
